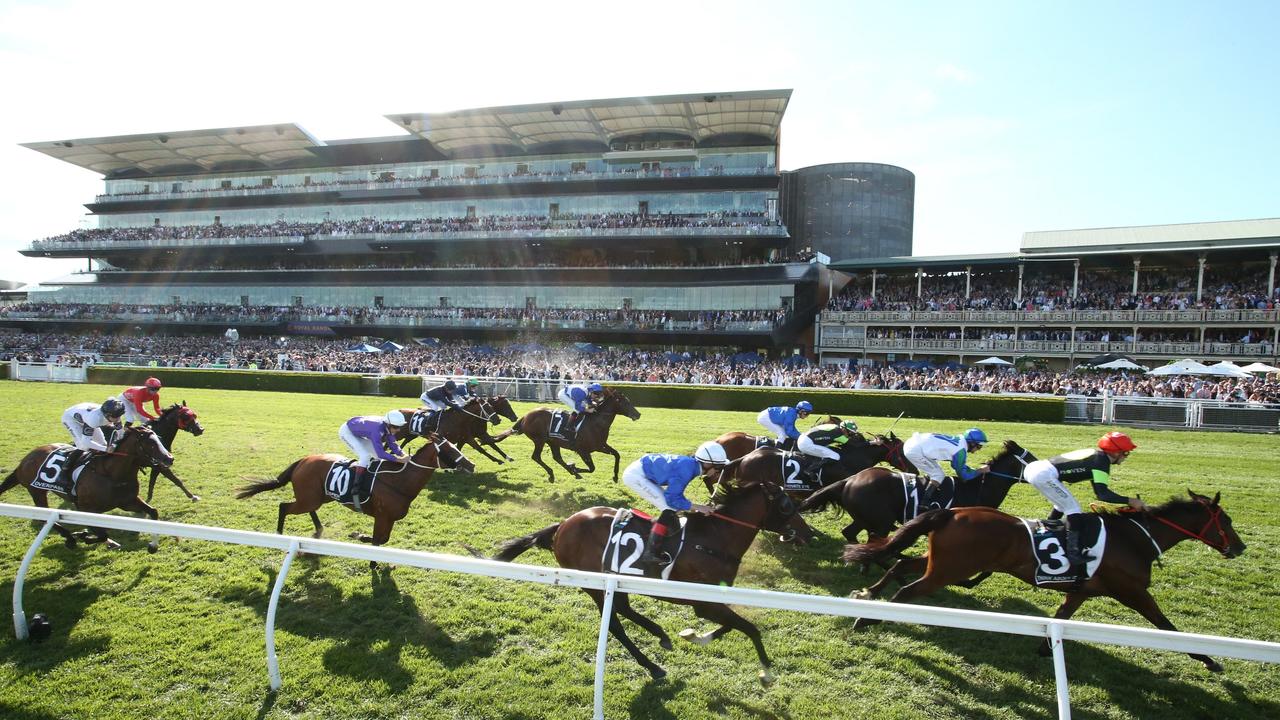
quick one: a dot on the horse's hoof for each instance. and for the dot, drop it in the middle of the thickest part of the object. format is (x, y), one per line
(767, 679)
(863, 594)
(195, 498)
(112, 544)
(70, 542)
(1213, 666)
(692, 636)
(657, 673)
(665, 643)
(152, 547)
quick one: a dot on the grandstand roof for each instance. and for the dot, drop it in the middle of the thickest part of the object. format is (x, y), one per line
(1185, 236)
(235, 148)
(526, 127)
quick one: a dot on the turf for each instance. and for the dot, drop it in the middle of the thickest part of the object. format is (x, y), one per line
(180, 634)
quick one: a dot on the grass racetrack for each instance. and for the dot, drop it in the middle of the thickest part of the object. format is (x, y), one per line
(179, 634)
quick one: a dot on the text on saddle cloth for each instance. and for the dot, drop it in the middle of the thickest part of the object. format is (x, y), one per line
(918, 500)
(1048, 544)
(53, 474)
(340, 482)
(627, 535)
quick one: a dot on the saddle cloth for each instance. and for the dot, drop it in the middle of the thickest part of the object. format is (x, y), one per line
(561, 428)
(1048, 543)
(914, 490)
(627, 536)
(53, 474)
(424, 422)
(798, 472)
(339, 486)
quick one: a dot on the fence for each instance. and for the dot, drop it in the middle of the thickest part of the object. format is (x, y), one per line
(1056, 631)
(47, 372)
(1174, 413)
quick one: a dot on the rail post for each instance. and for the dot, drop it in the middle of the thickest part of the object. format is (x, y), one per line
(273, 664)
(1060, 670)
(602, 643)
(19, 616)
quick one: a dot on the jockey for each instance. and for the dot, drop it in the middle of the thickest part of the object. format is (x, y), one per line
(442, 396)
(469, 389)
(371, 436)
(928, 450)
(134, 398)
(581, 398)
(86, 420)
(781, 420)
(825, 441)
(1090, 464)
(661, 479)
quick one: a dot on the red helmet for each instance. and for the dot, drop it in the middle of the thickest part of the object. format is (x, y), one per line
(1116, 442)
(153, 383)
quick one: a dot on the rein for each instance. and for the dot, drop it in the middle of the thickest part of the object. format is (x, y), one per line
(1215, 520)
(1020, 457)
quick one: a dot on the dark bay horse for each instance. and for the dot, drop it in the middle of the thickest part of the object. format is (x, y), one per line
(466, 426)
(107, 482)
(592, 437)
(854, 457)
(971, 542)
(174, 418)
(395, 489)
(737, 444)
(876, 501)
(714, 546)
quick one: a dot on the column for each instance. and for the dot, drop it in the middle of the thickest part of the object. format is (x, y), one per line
(1200, 276)
(1018, 297)
(873, 283)
(1075, 281)
(919, 282)
(1136, 264)
(1271, 277)
(968, 276)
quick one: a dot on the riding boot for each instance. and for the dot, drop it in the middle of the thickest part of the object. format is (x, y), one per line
(788, 444)
(931, 488)
(655, 549)
(1075, 556)
(357, 479)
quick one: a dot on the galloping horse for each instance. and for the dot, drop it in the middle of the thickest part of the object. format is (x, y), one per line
(783, 466)
(714, 546)
(465, 426)
(108, 481)
(395, 489)
(174, 418)
(876, 501)
(592, 436)
(737, 444)
(975, 541)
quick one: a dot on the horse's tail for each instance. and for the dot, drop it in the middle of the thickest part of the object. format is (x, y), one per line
(513, 430)
(263, 485)
(512, 549)
(824, 497)
(10, 481)
(905, 537)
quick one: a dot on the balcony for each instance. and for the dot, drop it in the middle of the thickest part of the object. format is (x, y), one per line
(1057, 317)
(934, 346)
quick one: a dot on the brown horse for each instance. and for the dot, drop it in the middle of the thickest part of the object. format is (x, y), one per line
(174, 418)
(108, 481)
(973, 542)
(714, 546)
(876, 501)
(783, 466)
(395, 489)
(465, 426)
(737, 444)
(592, 436)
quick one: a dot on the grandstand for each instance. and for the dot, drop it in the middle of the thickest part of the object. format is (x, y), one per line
(1156, 293)
(644, 221)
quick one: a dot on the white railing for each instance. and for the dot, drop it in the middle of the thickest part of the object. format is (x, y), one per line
(48, 372)
(1175, 413)
(1056, 631)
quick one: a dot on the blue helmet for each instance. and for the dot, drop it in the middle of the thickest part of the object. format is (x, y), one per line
(450, 385)
(595, 387)
(974, 435)
(804, 405)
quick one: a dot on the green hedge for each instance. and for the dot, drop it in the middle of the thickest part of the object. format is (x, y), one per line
(331, 383)
(851, 402)
(406, 386)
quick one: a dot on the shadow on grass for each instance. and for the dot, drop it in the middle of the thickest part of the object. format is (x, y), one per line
(64, 606)
(482, 488)
(13, 712)
(370, 631)
(651, 702)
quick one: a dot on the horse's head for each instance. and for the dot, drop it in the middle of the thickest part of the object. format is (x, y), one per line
(778, 513)
(187, 419)
(440, 453)
(829, 420)
(1010, 463)
(892, 446)
(618, 403)
(502, 406)
(143, 447)
(1204, 519)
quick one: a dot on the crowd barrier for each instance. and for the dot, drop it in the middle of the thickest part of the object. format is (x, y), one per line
(47, 372)
(1174, 413)
(1055, 631)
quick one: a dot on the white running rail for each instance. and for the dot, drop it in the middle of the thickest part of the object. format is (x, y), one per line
(1055, 630)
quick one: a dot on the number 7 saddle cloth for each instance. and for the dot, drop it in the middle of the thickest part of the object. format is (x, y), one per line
(627, 536)
(1048, 545)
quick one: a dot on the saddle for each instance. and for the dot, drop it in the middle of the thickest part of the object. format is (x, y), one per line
(1048, 543)
(627, 536)
(425, 422)
(920, 496)
(341, 485)
(800, 472)
(563, 427)
(60, 471)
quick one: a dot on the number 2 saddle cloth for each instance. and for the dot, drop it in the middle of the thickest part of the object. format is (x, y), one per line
(1048, 544)
(627, 536)
(339, 483)
(53, 474)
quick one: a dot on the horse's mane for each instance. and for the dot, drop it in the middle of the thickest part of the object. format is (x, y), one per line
(1008, 448)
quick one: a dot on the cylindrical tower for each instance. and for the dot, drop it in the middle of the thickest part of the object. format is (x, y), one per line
(850, 210)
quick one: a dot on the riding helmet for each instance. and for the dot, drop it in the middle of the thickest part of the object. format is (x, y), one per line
(1116, 442)
(710, 452)
(153, 383)
(805, 406)
(395, 418)
(595, 387)
(450, 385)
(974, 435)
(849, 426)
(472, 382)
(112, 408)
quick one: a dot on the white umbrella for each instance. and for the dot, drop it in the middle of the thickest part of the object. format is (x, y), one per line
(1227, 368)
(993, 361)
(1182, 367)
(1121, 364)
(1260, 367)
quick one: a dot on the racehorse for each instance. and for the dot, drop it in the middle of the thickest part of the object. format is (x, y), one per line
(737, 444)
(107, 481)
(876, 501)
(395, 489)
(975, 541)
(174, 418)
(714, 546)
(592, 436)
(785, 468)
(465, 426)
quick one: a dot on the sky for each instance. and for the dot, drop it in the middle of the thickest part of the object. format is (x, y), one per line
(1014, 116)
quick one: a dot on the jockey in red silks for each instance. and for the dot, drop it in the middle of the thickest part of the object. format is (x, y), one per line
(134, 398)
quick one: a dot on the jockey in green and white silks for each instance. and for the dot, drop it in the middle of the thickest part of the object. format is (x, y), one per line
(927, 451)
(824, 441)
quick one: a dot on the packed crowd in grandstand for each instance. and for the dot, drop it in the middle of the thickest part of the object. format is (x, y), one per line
(1226, 289)
(484, 223)
(530, 360)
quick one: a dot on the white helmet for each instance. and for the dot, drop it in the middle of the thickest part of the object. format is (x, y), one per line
(395, 418)
(711, 452)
